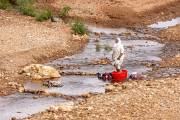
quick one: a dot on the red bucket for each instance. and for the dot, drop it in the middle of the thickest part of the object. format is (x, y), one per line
(119, 76)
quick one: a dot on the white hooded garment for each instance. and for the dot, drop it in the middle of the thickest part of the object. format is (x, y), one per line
(118, 54)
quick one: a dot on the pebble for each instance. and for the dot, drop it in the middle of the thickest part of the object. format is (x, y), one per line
(53, 84)
(13, 118)
(109, 88)
(87, 95)
(14, 84)
(63, 107)
(35, 97)
(21, 89)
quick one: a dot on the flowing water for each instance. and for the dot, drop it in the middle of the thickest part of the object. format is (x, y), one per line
(138, 52)
(21, 105)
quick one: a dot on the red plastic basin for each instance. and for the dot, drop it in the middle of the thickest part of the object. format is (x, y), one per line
(119, 76)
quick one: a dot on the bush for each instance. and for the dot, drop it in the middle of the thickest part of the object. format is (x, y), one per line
(25, 2)
(43, 15)
(65, 11)
(28, 10)
(26, 7)
(78, 28)
(4, 4)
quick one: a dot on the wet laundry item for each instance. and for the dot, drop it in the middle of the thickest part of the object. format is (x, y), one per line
(104, 76)
(136, 76)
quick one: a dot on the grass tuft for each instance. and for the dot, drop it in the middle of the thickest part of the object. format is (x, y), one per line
(65, 11)
(43, 15)
(78, 28)
(28, 10)
(26, 7)
(25, 2)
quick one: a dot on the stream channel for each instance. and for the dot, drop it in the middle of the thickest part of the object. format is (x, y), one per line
(140, 49)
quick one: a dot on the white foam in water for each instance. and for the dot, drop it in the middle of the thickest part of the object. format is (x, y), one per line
(166, 24)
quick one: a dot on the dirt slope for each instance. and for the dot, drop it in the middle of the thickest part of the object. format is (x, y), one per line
(120, 12)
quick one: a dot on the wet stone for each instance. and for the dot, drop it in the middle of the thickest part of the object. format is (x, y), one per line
(13, 118)
(53, 83)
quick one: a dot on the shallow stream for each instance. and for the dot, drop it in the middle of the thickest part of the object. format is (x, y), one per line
(139, 53)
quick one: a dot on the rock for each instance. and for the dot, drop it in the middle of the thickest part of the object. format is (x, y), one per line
(109, 88)
(177, 55)
(13, 118)
(66, 108)
(97, 34)
(124, 87)
(90, 108)
(55, 19)
(86, 95)
(53, 83)
(35, 97)
(127, 33)
(21, 89)
(14, 84)
(38, 71)
(83, 37)
(53, 109)
(11, 61)
(63, 107)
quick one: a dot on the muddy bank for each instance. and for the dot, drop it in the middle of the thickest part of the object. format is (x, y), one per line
(119, 13)
(24, 41)
(171, 34)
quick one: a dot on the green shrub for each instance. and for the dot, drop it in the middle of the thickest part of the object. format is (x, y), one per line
(25, 2)
(65, 11)
(26, 7)
(43, 15)
(28, 10)
(78, 28)
(4, 4)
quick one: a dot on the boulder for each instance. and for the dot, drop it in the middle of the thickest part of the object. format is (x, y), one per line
(38, 71)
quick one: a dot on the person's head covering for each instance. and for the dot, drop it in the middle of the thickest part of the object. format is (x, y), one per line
(118, 40)
(118, 45)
